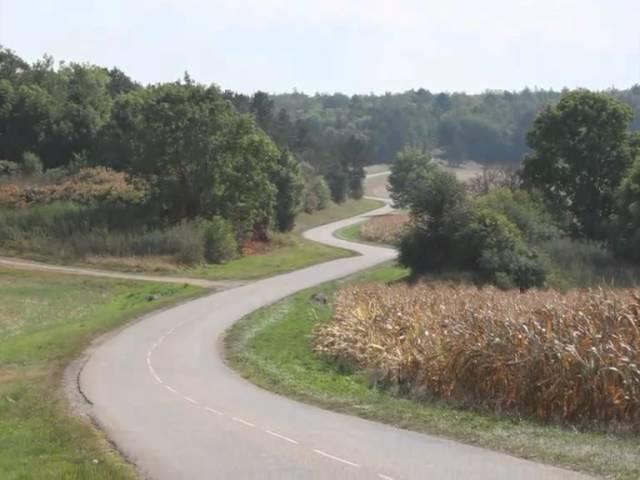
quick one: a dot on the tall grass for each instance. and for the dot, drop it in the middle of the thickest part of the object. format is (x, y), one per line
(70, 231)
(587, 264)
(572, 359)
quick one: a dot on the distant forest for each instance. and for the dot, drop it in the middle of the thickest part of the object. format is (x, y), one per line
(488, 128)
(82, 113)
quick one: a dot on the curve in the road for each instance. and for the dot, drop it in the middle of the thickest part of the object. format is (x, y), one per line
(164, 395)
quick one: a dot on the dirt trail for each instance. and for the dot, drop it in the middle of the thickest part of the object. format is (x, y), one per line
(198, 282)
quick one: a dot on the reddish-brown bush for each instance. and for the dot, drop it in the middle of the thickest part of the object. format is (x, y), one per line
(89, 185)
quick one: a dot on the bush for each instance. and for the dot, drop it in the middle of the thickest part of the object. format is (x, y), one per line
(69, 230)
(432, 200)
(87, 186)
(411, 168)
(189, 251)
(470, 237)
(524, 209)
(571, 359)
(315, 195)
(625, 235)
(220, 243)
(31, 164)
(499, 253)
(492, 235)
(338, 183)
(8, 169)
(587, 264)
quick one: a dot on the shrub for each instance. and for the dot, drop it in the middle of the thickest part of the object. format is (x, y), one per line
(220, 243)
(338, 183)
(315, 193)
(409, 171)
(289, 183)
(87, 186)
(498, 252)
(524, 209)
(586, 264)
(572, 359)
(322, 193)
(76, 231)
(8, 168)
(431, 200)
(31, 164)
(189, 250)
(470, 237)
(625, 235)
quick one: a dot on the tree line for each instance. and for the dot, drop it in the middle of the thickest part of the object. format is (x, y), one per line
(196, 154)
(489, 128)
(577, 196)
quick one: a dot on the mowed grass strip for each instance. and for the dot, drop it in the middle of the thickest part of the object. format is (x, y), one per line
(45, 321)
(273, 347)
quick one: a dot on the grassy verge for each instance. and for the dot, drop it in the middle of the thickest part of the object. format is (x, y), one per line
(348, 209)
(350, 233)
(296, 252)
(272, 348)
(45, 321)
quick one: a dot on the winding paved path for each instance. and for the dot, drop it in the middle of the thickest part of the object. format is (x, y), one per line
(163, 394)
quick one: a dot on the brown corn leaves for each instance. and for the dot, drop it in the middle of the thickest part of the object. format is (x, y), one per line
(572, 359)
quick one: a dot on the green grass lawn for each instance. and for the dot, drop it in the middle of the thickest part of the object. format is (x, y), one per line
(272, 348)
(335, 212)
(350, 233)
(45, 321)
(296, 252)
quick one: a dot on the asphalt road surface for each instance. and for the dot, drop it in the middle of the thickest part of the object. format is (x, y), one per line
(163, 394)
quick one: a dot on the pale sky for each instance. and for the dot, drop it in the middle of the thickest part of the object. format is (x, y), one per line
(352, 46)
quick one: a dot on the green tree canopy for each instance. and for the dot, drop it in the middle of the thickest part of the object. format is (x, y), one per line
(626, 232)
(411, 168)
(289, 183)
(581, 150)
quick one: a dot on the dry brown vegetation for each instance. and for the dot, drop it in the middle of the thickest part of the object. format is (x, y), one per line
(572, 359)
(384, 228)
(89, 185)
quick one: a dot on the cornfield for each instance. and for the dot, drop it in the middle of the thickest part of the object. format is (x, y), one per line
(571, 359)
(384, 228)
